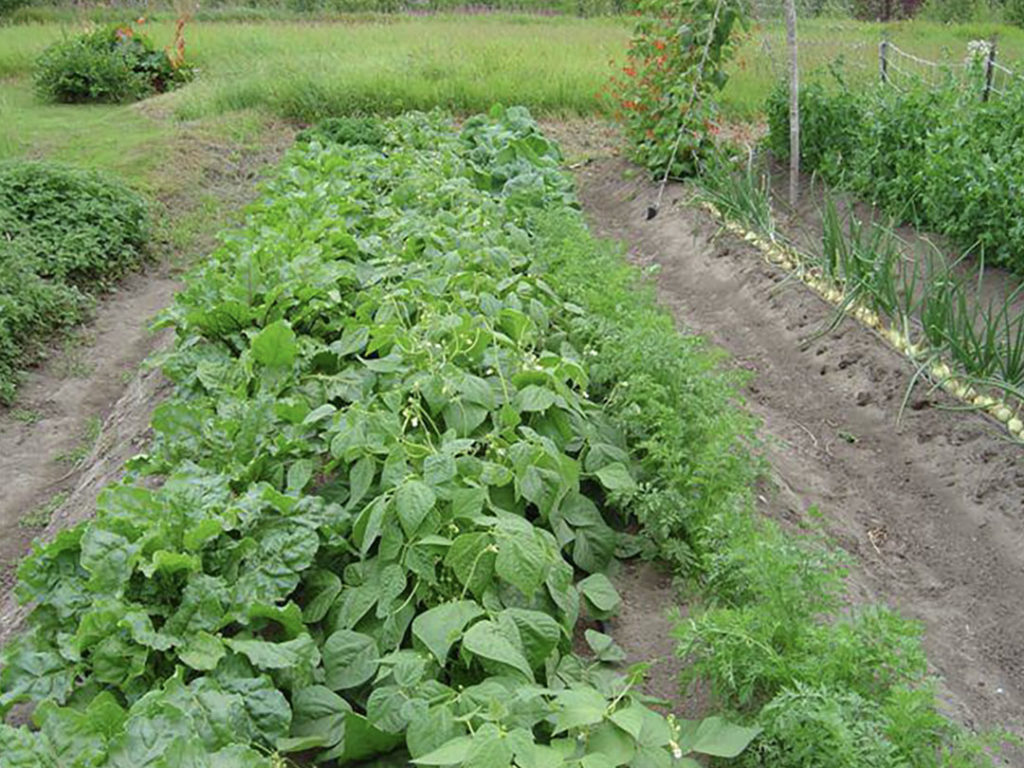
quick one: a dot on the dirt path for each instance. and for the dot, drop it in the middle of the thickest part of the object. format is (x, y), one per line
(932, 510)
(58, 425)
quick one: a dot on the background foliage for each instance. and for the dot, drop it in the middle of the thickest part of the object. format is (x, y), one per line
(63, 235)
(112, 64)
(936, 157)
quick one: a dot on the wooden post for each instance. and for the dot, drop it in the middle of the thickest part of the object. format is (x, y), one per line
(990, 60)
(794, 104)
(883, 61)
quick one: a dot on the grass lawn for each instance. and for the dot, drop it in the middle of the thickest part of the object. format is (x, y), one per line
(302, 69)
(762, 59)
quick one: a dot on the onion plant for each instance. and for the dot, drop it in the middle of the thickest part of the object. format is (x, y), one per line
(934, 309)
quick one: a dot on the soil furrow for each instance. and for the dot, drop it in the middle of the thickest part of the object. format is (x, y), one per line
(931, 509)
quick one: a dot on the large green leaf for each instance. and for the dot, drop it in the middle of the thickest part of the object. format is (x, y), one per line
(472, 560)
(487, 640)
(441, 626)
(522, 562)
(301, 651)
(318, 719)
(203, 651)
(578, 708)
(413, 500)
(538, 631)
(602, 598)
(350, 659)
(615, 477)
(275, 346)
(714, 736)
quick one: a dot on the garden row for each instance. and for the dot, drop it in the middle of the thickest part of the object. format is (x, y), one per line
(880, 144)
(381, 477)
(63, 235)
(936, 157)
(962, 339)
(418, 414)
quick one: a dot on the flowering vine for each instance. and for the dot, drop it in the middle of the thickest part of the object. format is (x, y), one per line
(675, 64)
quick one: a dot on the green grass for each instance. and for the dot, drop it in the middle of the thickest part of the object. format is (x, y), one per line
(305, 70)
(39, 517)
(121, 139)
(820, 41)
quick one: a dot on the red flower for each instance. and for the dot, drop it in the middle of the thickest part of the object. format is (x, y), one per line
(629, 71)
(659, 44)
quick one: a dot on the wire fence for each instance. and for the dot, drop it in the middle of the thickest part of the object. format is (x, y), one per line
(830, 37)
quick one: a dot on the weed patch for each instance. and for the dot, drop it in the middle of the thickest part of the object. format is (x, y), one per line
(63, 235)
(40, 516)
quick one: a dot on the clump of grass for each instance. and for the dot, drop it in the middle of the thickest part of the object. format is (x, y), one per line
(86, 442)
(40, 516)
(26, 415)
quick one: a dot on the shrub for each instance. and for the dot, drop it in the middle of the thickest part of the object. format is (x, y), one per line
(9, 6)
(63, 234)
(112, 64)
(77, 226)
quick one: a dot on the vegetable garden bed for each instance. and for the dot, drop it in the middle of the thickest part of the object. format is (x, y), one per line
(384, 495)
(410, 436)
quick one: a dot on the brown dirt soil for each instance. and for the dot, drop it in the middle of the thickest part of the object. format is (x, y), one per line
(86, 410)
(931, 510)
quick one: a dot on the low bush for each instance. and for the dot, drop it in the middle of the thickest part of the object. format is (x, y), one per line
(937, 158)
(64, 234)
(110, 64)
(7, 7)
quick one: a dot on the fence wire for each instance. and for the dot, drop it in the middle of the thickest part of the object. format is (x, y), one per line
(833, 43)
(832, 37)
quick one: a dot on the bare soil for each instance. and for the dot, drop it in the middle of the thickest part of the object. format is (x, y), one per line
(932, 510)
(82, 413)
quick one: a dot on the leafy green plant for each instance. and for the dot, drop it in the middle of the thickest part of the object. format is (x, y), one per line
(64, 234)
(111, 64)
(345, 130)
(675, 63)
(384, 495)
(937, 157)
